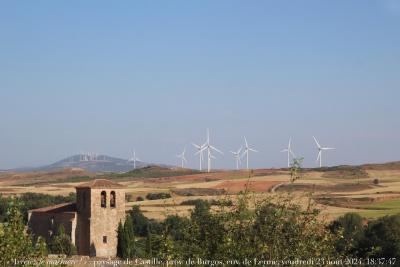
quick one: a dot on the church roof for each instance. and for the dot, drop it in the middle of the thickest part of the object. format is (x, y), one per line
(63, 207)
(100, 183)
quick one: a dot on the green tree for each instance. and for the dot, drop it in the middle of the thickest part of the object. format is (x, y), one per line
(350, 228)
(129, 239)
(121, 245)
(61, 243)
(16, 243)
(382, 238)
(149, 249)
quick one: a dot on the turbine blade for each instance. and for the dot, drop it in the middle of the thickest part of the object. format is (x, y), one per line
(216, 149)
(251, 149)
(327, 148)
(316, 142)
(196, 146)
(245, 141)
(319, 155)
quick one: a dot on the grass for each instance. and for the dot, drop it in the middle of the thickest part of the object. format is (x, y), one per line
(393, 204)
(379, 209)
(373, 214)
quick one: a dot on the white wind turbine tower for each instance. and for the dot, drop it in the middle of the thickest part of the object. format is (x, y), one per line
(182, 157)
(320, 149)
(237, 157)
(209, 147)
(200, 149)
(246, 152)
(134, 159)
(289, 152)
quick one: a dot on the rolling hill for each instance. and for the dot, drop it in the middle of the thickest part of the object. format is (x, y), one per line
(103, 164)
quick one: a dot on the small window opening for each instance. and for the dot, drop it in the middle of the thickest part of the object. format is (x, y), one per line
(103, 199)
(104, 239)
(112, 199)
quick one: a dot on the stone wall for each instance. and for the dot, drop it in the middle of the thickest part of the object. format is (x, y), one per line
(46, 224)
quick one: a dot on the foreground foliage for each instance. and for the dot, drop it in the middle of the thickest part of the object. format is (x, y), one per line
(275, 229)
(16, 243)
(61, 243)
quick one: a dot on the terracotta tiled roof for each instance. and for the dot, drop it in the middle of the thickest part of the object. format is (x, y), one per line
(100, 183)
(64, 207)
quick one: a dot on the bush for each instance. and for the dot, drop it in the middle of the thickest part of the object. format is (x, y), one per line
(192, 202)
(128, 197)
(381, 238)
(139, 198)
(154, 196)
(376, 181)
(141, 223)
(272, 231)
(350, 226)
(213, 202)
(61, 243)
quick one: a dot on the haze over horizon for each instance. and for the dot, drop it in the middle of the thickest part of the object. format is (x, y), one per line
(107, 78)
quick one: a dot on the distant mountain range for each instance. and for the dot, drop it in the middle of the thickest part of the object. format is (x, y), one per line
(100, 163)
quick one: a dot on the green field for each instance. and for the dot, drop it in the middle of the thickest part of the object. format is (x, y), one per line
(378, 209)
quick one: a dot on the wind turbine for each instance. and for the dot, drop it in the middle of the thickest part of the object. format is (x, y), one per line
(209, 148)
(246, 152)
(320, 149)
(289, 152)
(200, 149)
(134, 159)
(237, 157)
(182, 157)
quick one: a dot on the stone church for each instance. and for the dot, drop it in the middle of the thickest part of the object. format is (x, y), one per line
(91, 222)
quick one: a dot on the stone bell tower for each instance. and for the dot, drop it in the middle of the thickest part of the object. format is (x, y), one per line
(100, 207)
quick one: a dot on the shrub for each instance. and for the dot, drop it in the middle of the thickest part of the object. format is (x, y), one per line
(281, 230)
(128, 197)
(141, 222)
(139, 198)
(350, 226)
(61, 243)
(154, 196)
(213, 202)
(376, 181)
(381, 238)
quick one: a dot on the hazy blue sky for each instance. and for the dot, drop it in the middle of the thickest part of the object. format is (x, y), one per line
(107, 76)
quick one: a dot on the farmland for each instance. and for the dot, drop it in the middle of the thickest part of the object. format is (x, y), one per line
(370, 190)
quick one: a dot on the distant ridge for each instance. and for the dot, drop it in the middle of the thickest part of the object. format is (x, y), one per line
(102, 164)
